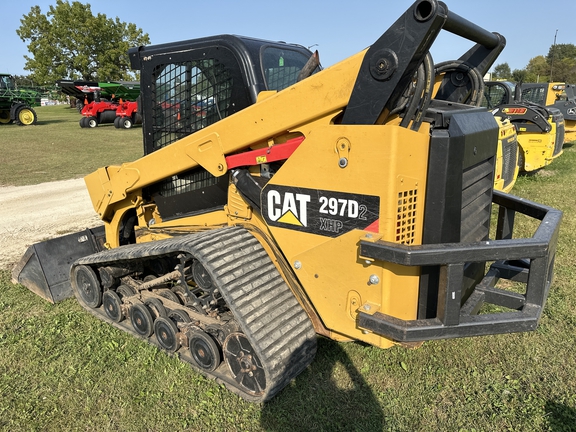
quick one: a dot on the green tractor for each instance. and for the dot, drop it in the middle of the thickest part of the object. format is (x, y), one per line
(16, 104)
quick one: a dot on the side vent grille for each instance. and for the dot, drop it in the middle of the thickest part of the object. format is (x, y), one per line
(406, 217)
(510, 160)
(560, 131)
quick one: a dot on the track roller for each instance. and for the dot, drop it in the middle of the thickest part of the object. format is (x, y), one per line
(141, 319)
(204, 350)
(156, 307)
(168, 294)
(220, 305)
(112, 305)
(179, 316)
(166, 333)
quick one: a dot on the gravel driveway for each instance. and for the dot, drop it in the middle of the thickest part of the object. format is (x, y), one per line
(29, 214)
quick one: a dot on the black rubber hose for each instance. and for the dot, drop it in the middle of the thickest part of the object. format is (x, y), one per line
(421, 96)
(476, 79)
(415, 98)
(427, 96)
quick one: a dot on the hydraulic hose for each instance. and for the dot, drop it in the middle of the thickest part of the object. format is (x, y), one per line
(476, 79)
(419, 99)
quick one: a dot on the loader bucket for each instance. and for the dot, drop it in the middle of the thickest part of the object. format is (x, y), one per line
(45, 267)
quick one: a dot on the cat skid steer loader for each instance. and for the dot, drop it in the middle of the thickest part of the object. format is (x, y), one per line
(277, 201)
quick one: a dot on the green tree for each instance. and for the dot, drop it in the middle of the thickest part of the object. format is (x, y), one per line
(562, 62)
(519, 75)
(502, 71)
(70, 42)
(538, 70)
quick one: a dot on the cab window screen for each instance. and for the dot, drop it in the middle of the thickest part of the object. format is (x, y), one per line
(494, 96)
(188, 96)
(535, 95)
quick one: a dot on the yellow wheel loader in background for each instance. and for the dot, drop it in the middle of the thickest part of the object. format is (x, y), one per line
(277, 201)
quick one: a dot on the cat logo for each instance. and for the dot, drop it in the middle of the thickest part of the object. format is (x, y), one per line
(322, 212)
(571, 111)
(290, 208)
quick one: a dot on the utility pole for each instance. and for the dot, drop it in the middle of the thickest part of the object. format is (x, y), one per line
(553, 52)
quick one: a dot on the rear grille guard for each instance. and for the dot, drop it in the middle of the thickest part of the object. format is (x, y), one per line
(526, 260)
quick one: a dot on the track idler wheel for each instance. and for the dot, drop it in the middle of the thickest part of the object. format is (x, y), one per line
(204, 350)
(244, 364)
(141, 319)
(113, 306)
(86, 286)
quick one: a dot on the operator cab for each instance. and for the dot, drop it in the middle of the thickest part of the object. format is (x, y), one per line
(197, 82)
(187, 86)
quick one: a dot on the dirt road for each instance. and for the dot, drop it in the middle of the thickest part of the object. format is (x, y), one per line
(29, 214)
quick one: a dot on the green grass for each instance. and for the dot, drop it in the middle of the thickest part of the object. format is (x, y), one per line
(62, 369)
(56, 148)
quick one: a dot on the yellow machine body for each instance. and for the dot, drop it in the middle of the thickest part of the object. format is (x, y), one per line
(506, 168)
(277, 201)
(539, 149)
(315, 166)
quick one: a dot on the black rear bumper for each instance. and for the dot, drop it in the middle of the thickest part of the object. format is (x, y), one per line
(529, 261)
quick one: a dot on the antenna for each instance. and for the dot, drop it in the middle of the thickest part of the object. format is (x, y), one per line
(553, 52)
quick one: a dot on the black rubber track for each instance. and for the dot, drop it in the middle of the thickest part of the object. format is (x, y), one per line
(269, 315)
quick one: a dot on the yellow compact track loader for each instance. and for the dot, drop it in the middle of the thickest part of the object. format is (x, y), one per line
(277, 201)
(540, 129)
(555, 95)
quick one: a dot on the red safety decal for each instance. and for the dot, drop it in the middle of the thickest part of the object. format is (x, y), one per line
(264, 155)
(374, 226)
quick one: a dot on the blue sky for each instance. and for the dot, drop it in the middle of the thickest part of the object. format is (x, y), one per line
(336, 28)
